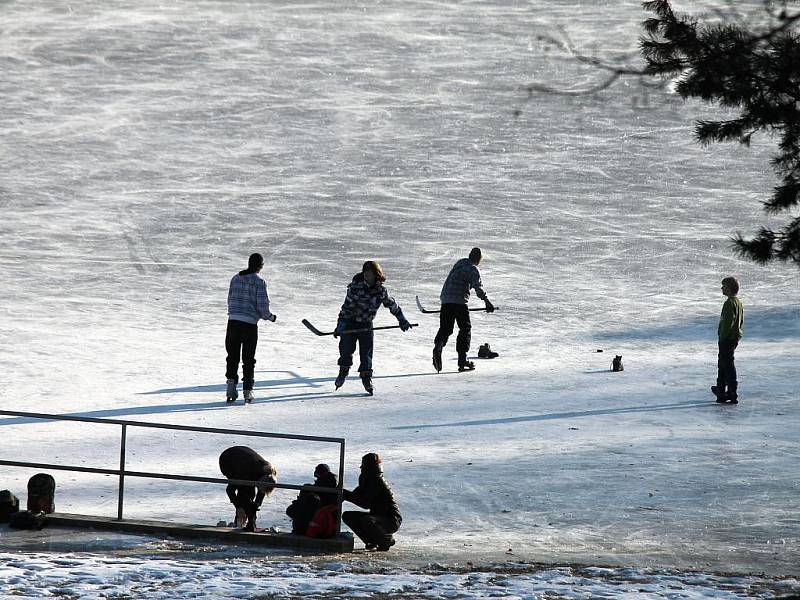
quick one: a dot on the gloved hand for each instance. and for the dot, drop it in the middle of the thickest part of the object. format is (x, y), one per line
(341, 325)
(273, 317)
(404, 324)
(489, 306)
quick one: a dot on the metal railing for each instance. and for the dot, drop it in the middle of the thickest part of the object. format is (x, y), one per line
(122, 472)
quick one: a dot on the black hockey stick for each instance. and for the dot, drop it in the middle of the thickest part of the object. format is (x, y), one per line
(316, 331)
(427, 312)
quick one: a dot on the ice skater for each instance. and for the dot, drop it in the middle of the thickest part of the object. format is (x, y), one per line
(365, 295)
(248, 302)
(376, 527)
(241, 462)
(455, 295)
(729, 333)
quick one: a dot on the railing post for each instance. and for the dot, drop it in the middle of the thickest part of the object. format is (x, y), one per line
(121, 493)
(341, 487)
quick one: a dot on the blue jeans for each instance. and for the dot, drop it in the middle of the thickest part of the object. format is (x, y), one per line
(347, 346)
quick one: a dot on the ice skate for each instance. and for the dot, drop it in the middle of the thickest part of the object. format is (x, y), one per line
(248, 396)
(366, 379)
(340, 379)
(231, 394)
(437, 358)
(719, 393)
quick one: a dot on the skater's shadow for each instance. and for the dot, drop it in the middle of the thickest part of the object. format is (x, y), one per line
(128, 411)
(294, 381)
(325, 391)
(560, 415)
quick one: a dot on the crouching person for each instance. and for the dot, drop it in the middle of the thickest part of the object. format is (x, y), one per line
(241, 462)
(314, 513)
(376, 527)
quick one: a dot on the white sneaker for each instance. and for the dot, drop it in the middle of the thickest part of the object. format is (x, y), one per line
(231, 394)
(248, 396)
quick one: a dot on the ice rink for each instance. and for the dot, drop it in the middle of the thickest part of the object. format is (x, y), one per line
(146, 150)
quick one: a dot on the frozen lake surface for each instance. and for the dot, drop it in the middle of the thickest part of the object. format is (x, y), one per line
(147, 149)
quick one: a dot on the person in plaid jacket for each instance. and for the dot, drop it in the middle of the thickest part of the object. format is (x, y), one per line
(365, 295)
(247, 303)
(455, 294)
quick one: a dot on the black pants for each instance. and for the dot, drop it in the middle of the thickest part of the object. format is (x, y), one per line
(726, 369)
(372, 529)
(241, 339)
(450, 315)
(243, 496)
(347, 346)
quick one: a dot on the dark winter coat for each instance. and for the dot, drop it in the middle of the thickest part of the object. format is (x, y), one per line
(363, 301)
(241, 462)
(302, 510)
(327, 480)
(374, 494)
(305, 506)
(463, 276)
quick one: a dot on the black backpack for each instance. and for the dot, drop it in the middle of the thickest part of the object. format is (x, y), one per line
(41, 493)
(9, 504)
(25, 519)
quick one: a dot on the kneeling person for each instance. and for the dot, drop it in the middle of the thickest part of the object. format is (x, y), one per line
(376, 527)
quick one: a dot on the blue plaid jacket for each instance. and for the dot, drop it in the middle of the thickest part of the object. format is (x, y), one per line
(362, 301)
(247, 298)
(463, 276)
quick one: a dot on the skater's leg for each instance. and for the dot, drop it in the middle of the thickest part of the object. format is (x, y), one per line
(728, 369)
(366, 343)
(249, 343)
(233, 345)
(464, 332)
(447, 319)
(347, 346)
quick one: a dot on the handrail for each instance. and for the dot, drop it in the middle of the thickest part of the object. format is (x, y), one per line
(291, 436)
(122, 472)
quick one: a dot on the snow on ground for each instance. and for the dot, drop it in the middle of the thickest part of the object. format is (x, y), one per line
(147, 150)
(91, 576)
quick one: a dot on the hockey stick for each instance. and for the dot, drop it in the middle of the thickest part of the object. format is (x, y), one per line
(427, 312)
(316, 331)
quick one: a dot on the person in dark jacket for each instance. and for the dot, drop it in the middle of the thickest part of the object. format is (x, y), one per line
(241, 462)
(247, 303)
(376, 527)
(307, 503)
(455, 295)
(365, 295)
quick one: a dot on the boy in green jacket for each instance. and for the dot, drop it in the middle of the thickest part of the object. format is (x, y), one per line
(729, 332)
